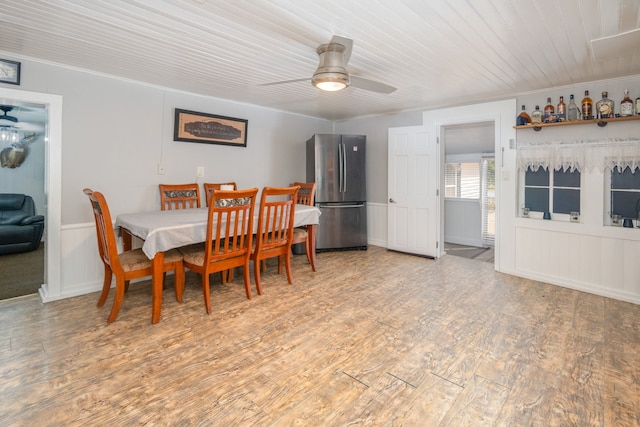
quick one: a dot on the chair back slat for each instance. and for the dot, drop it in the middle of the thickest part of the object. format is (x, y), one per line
(179, 196)
(306, 194)
(276, 217)
(232, 213)
(210, 187)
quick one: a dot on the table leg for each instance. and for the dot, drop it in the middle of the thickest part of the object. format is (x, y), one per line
(311, 236)
(156, 281)
(126, 239)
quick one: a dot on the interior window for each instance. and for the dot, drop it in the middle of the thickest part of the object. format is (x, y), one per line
(566, 191)
(558, 192)
(625, 192)
(536, 190)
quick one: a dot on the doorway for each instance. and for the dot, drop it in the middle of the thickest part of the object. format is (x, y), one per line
(469, 189)
(23, 172)
(51, 108)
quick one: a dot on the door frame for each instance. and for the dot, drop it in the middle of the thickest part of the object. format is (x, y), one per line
(52, 184)
(498, 112)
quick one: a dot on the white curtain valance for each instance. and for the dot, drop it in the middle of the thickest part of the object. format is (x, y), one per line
(579, 155)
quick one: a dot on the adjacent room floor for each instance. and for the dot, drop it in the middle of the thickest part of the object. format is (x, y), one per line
(485, 254)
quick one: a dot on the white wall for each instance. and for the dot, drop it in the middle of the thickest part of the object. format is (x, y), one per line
(463, 222)
(114, 135)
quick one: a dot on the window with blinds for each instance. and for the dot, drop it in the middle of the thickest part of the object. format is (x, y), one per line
(488, 181)
(462, 180)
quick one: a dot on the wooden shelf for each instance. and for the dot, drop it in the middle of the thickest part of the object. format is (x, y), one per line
(599, 122)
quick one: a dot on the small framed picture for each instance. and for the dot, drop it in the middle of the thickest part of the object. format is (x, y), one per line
(191, 126)
(9, 72)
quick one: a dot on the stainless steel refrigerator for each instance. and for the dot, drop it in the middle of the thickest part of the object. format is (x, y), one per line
(337, 164)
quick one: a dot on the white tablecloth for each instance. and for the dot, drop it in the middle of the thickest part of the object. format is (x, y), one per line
(164, 230)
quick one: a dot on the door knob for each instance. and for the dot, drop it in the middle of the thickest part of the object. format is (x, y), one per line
(391, 200)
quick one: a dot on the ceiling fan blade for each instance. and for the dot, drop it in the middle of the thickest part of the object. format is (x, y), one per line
(285, 81)
(30, 127)
(370, 85)
(348, 46)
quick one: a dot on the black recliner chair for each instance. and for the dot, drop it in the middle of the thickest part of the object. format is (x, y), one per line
(20, 228)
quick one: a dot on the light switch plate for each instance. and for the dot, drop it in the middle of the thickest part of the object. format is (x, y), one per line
(200, 171)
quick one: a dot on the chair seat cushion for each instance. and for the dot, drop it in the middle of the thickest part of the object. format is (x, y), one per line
(299, 235)
(137, 260)
(193, 254)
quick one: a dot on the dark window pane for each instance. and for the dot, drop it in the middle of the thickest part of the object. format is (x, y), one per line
(536, 199)
(625, 179)
(625, 203)
(564, 178)
(566, 201)
(537, 178)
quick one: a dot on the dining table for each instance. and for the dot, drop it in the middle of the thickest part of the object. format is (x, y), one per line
(169, 229)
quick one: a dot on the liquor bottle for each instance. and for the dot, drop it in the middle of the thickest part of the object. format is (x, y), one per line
(626, 105)
(523, 118)
(605, 107)
(587, 107)
(548, 111)
(561, 112)
(638, 105)
(536, 115)
(573, 113)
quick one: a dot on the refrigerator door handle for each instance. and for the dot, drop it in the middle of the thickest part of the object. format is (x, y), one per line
(359, 205)
(344, 165)
(340, 169)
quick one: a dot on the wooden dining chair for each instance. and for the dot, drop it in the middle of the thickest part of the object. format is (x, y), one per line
(179, 196)
(306, 196)
(128, 265)
(228, 241)
(275, 229)
(209, 188)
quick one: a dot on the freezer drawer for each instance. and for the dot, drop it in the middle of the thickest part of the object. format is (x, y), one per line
(342, 226)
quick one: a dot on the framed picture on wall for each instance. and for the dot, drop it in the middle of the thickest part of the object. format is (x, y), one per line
(192, 126)
(9, 72)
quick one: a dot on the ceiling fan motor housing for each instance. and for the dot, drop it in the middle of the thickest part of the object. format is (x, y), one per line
(331, 67)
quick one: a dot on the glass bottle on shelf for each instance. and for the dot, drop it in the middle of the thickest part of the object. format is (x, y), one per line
(638, 105)
(573, 112)
(561, 112)
(536, 115)
(587, 107)
(605, 107)
(523, 118)
(548, 111)
(626, 105)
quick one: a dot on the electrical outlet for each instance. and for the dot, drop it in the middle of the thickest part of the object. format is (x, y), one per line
(200, 171)
(160, 169)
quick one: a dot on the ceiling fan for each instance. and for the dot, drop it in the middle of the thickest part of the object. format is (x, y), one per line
(332, 75)
(8, 122)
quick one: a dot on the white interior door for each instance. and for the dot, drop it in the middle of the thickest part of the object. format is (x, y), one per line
(413, 202)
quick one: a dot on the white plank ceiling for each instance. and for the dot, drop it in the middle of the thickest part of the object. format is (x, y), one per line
(437, 53)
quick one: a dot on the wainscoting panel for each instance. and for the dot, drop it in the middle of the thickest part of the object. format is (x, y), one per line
(601, 265)
(82, 270)
(377, 224)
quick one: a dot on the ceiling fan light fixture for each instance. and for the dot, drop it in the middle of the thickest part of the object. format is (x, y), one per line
(331, 75)
(330, 82)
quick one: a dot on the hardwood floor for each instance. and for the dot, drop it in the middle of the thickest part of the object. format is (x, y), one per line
(372, 338)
